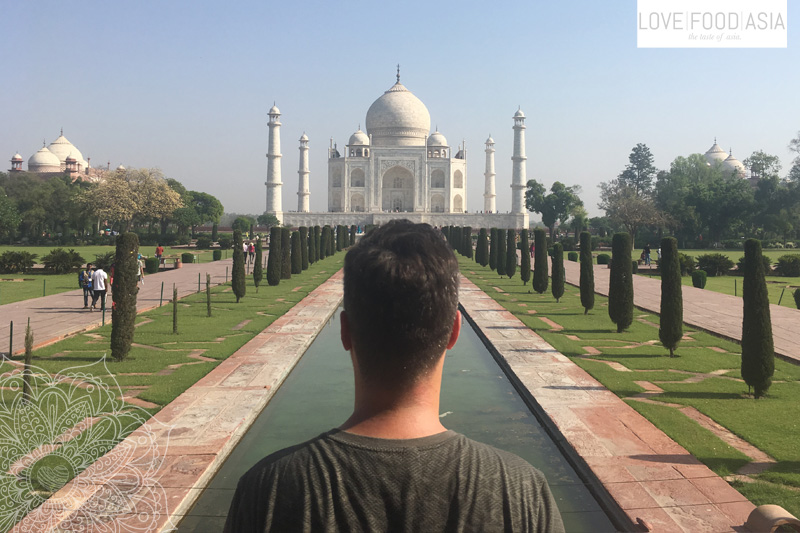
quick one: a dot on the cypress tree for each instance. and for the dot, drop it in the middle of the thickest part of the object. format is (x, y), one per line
(446, 232)
(670, 329)
(511, 253)
(311, 245)
(214, 232)
(174, 309)
(482, 253)
(237, 274)
(620, 291)
(208, 294)
(332, 241)
(274, 261)
(317, 242)
(587, 273)
(123, 310)
(339, 238)
(540, 276)
(297, 254)
(493, 250)
(304, 247)
(758, 355)
(323, 243)
(27, 373)
(525, 257)
(258, 267)
(455, 233)
(558, 271)
(286, 253)
(353, 231)
(468, 242)
(501, 251)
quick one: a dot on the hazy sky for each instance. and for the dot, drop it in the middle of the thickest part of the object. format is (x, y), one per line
(186, 86)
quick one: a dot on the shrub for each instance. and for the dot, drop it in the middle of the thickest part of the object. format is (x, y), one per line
(60, 261)
(525, 257)
(572, 256)
(13, 262)
(699, 278)
(187, 258)
(620, 293)
(151, 265)
(286, 251)
(758, 355)
(686, 262)
(540, 277)
(558, 271)
(603, 259)
(237, 273)
(224, 242)
(104, 261)
(788, 265)
(216, 255)
(274, 259)
(670, 329)
(766, 260)
(203, 242)
(511, 253)
(634, 267)
(297, 254)
(797, 298)
(587, 273)
(123, 310)
(714, 264)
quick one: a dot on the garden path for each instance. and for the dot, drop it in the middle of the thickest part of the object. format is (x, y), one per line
(715, 312)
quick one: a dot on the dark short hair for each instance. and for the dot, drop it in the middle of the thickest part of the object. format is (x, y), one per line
(401, 298)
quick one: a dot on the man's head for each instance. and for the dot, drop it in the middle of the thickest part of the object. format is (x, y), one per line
(88, 266)
(401, 300)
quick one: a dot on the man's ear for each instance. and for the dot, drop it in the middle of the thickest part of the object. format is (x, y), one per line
(456, 331)
(347, 342)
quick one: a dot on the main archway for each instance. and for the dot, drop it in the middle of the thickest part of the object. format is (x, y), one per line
(398, 190)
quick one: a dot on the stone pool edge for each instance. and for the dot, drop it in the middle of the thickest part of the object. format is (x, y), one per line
(657, 483)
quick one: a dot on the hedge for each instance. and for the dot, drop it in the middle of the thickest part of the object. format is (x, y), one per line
(603, 259)
(187, 258)
(151, 265)
(699, 278)
(572, 256)
(217, 255)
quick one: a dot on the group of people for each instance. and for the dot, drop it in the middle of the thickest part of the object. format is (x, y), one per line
(94, 282)
(249, 250)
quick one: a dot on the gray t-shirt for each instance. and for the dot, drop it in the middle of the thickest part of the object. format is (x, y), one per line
(340, 481)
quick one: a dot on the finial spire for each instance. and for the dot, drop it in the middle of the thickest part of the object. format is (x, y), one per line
(715, 139)
(398, 73)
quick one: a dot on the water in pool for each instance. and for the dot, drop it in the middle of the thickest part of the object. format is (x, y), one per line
(477, 400)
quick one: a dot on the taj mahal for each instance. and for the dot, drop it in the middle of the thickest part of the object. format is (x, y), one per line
(398, 169)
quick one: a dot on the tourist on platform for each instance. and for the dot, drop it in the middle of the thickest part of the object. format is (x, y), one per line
(392, 466)
(85, 282)
(99, 282)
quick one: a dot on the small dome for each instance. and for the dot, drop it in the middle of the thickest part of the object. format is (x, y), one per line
(274, 110)
(437, 139)
(715, 154)
(359, 138)
(304, 137)
(121, 168)
(398, 118)
(490, 140)
(17, 157)
(63, 148)
(519, 113)
(731, 165)
(71, 159)
(44, 161)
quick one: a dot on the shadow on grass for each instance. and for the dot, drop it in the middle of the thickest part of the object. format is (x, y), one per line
(700, 395)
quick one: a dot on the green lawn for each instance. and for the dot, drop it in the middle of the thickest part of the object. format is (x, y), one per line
(769, 424)
(160, 366)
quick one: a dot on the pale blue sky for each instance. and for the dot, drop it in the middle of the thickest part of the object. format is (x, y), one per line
(185, 86)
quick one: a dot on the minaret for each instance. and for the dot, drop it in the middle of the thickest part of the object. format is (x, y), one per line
(518, 174)
(274, 164)
(489, 205)
(302, 172)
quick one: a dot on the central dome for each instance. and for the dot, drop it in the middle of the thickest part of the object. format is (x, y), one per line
(398, 118)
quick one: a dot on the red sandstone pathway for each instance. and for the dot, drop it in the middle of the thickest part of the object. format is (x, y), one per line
(707, 310)
(57, 316)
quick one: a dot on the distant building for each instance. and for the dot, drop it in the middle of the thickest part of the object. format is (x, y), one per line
(729, 165)
(58, 158)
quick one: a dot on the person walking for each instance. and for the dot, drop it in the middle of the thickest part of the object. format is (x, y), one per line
(140, 269)
(85, 282)
(99, 281)
(159, 253)
(646, 253)
(251, 252)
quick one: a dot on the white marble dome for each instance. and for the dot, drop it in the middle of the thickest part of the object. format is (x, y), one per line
(398, 118)
(120, 168)
(17, 157)
(359, 138)
(274, 110)
(715, 154)
(437, 139)
(63, 149)
(44, 161)
(519, 113)
(731, 165)
(489, 140)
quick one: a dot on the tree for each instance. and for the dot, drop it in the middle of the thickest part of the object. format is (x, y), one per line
(794, 146)
(493, 250)
(501, 251)
(640, 172)
(587, 273)
(554, 207)
(286, 253)
(579, 220)
(763, 165)
(237, 274)
(243, 223)
(9, 216)
(525, 257)
(312, 246)
(620, 292)
(214, 232)
(558, 271)
(482, 250)
(258, 268)
(274, 260)
(297, 254)
(511, 253)
(123, 310)
(758, 355)
(540, 277)
(207, 207)
(303, 248)
(670, 329)
(339, 237)
(624, 206)
(317, 244)
(468, 242)
(268, 220)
